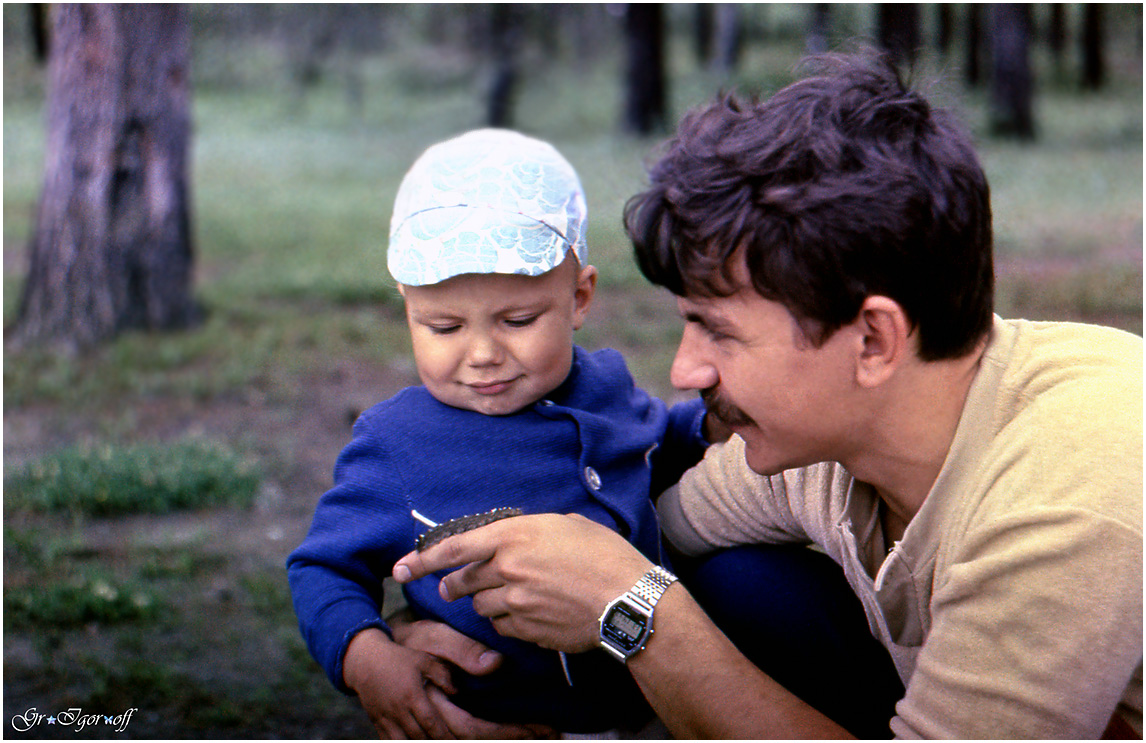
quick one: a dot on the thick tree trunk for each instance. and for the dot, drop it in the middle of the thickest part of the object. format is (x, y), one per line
(111, 248)
(645, 98)
(1012, 82)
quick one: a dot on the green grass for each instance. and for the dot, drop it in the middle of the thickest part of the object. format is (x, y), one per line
(77, 603)
(106, 480)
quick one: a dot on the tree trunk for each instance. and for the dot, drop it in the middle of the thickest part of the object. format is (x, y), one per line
(1012, 84)
(729, 37)
(945, 27)
(899, 30)
(111, 248)
(1093, 64)
(1056, 38)
(504, 33)
(38, 23)
(702, 32)
(819, 23)
(973, 68)
(645, 106)
(1056, 30)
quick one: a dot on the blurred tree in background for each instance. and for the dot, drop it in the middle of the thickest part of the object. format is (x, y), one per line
(112, 242)
(645, 90)
(898, 31)
(1012, 85)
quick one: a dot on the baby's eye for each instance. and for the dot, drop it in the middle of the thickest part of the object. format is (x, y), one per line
(520, 322)
(443, 329)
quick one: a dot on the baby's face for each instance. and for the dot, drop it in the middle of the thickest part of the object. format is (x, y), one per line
(495, 343)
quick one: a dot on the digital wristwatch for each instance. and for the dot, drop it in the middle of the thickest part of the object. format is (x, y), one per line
(627, 622)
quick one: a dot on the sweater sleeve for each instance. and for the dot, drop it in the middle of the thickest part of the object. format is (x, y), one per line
(359, 530)
(722, 503)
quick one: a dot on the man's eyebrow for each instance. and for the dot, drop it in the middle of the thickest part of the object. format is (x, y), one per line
(704, 318)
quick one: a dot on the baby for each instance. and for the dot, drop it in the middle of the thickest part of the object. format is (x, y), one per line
(487, 244)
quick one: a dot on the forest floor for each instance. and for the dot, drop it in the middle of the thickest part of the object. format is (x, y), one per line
(227, 661)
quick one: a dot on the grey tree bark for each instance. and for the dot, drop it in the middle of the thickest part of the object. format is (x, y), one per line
(111, 247)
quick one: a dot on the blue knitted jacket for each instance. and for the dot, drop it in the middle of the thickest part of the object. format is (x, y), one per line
(597, 445)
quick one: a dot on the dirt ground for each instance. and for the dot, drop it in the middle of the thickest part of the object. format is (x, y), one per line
(223, 642)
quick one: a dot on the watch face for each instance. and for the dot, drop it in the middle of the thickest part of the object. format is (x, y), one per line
(624, 627)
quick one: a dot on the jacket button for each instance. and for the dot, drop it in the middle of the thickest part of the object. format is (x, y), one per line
(592, 478)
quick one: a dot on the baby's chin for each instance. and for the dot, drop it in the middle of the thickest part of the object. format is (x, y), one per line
(493, 407)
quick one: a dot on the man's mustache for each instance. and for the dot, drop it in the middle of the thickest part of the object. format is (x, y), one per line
(724, 410)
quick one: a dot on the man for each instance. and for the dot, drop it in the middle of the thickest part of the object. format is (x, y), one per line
(978, 479)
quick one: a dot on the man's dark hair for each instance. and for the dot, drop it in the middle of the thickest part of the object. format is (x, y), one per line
(841, 186)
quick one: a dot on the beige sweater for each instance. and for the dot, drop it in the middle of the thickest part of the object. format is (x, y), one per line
(1013, 604)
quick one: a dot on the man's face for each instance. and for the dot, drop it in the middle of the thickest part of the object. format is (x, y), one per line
(495, 343)
(787, 399)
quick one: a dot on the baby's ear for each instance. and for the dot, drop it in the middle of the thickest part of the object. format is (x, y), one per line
(583, 294)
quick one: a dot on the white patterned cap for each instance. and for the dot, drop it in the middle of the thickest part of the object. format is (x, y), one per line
(489, 201)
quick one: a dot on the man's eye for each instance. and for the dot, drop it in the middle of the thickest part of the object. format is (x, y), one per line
(710, 332)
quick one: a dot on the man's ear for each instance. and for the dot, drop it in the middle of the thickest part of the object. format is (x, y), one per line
(583, 295)
(885, 340)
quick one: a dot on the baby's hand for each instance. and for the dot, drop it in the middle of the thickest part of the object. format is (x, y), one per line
(391, 682)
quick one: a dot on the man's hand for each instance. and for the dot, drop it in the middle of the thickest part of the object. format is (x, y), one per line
(544, 578)
(445, 643)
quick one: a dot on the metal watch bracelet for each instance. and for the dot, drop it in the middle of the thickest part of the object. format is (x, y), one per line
(627, 621)
(653, 584)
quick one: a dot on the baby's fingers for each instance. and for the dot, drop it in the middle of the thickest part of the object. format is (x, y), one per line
(467, 727)
(437, 673)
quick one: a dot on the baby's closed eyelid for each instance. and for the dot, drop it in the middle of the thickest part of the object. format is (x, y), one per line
(521, 322)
